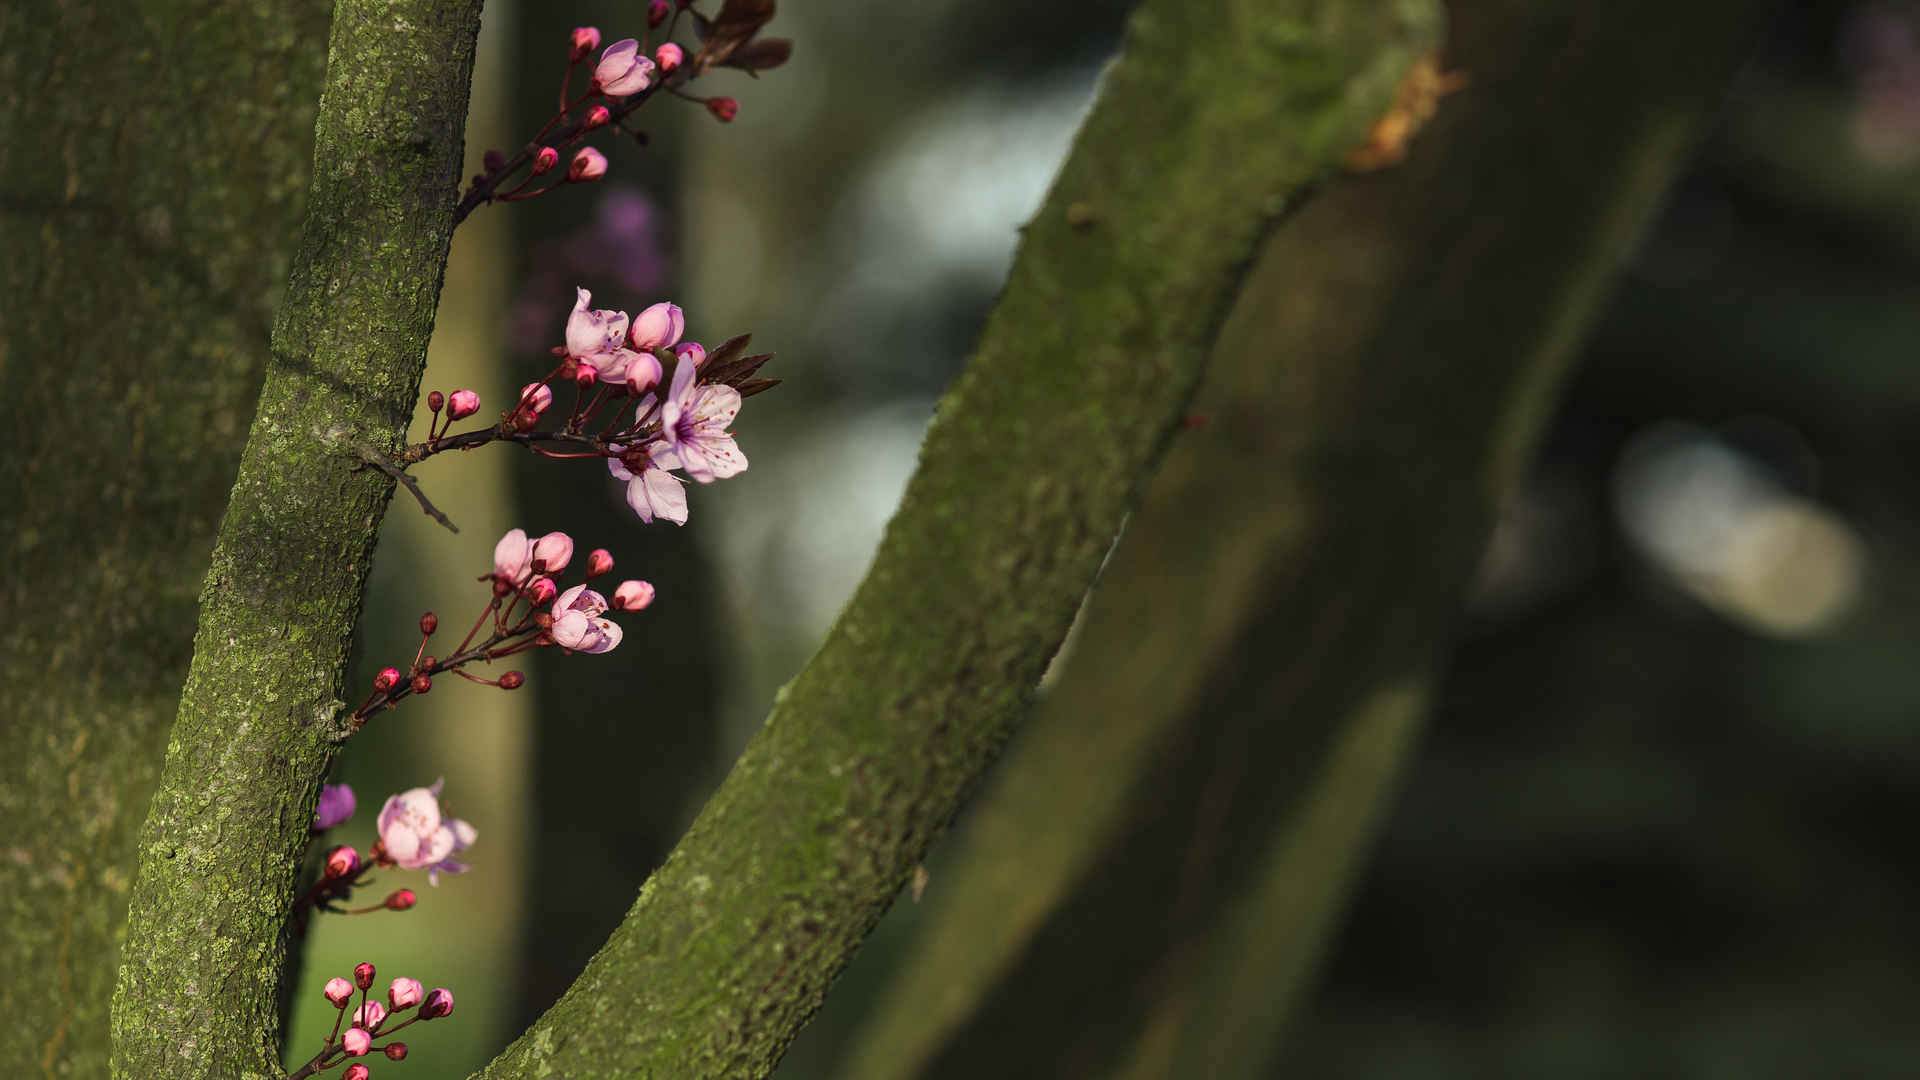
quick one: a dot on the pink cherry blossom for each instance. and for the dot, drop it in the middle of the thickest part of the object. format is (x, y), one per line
(462, 404)
(668, 56)
(535, 398)
(513, 558)
(583, 40)
(438, 1003)
(591, 333)
(632, 596)
(357, 1071)
(653, 492)
(552, 552)
(369, 1015)
(404, 993)
(338, 990)
(414, 834)
(577, 624)
(356, 1041)
(622, 70)
(658, 327)
(587, 164)
(693, 352)
(693, 424)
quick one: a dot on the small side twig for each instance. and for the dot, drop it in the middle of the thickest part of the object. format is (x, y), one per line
(379, 461)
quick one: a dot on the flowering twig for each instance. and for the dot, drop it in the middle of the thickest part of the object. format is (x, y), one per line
(372, 1020)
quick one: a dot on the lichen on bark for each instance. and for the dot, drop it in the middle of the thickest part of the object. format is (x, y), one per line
(257, 722)
(1215, 116)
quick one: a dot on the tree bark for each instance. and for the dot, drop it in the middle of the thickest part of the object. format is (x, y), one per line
(260, 718)
(148, 215)
(1216, 116)
(1151, 883)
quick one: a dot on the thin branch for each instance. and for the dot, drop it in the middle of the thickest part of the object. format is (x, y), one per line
(385, 464)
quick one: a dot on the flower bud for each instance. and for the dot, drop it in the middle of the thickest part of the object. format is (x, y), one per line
(356, 1071)
(435, 399)
(512, 680)
(386, 679)
(404, 993)
(584, 40)
(335, 807)
(400, 899)
(552, 552)
(427, 663)
(724, 109)
(357, 1041)
(542, 591)
(598, 117)
(545, 160)
(493, 161)
(438, 1003)
(658, 327)
(338, 991)
(588, 164)
(535, 398)
(692, 352)
(429, 623)
(363, 975)
(632, 596)
(369, 1015)
(421, 683)
(343, 862)
(656, 13)
(395, 1051)
(462, 404)
(599, 561)
(668, 56)
(585, 374)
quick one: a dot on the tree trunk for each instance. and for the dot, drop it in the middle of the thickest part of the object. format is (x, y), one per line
(260, 718)
(149, 211)
(1149, 886)
(1214, 118)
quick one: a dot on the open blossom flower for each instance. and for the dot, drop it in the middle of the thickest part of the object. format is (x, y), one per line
(598, 339)
(693, 424)
(653, 492)
(577, 624)
(414, 835)
(336, 806)
(622, 70)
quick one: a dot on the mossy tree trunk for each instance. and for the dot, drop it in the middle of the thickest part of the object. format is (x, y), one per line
(1215, 116)
(149, 210)
(260, 718)
(1150, 884)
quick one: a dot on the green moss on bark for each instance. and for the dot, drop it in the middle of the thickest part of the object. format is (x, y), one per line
(256, 725)
(150, 206)
(1214, 118)
(1149, 887)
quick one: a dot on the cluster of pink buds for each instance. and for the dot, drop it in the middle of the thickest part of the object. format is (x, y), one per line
(371, 1020)
(414, 834)
(458, 405)
(683, 399)
(525, 609)
(628, 73)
